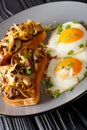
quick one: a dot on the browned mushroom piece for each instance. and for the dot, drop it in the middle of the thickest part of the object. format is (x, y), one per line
(38, 28)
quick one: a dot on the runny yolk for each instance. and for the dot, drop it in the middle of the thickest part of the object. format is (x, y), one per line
(63, 68)
(71, 35)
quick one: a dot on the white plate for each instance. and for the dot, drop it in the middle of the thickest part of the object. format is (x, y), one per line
(46, 14)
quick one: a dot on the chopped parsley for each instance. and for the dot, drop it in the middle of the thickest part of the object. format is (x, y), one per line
(59, 27)
(81, 45)
(41, 44)
(67, 26)
(75, 22)
(28, 71)
(70, 89)
(48, 83)
(85, 74)
(55, 93)
(48, 51)
(69, 65)
(29, 55)
(62, 67)
(70, 52)
(78, 79)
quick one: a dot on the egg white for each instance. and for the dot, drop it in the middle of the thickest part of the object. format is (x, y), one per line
(64, 84)
(60, 49)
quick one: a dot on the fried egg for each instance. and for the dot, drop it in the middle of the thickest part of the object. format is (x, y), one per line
(67, 72)
(67, 39)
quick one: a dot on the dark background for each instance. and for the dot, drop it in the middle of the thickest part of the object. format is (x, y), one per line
(72, 116)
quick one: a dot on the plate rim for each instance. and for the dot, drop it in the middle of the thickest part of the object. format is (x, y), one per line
(36, 6)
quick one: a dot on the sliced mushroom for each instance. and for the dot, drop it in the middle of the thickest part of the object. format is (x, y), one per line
(29, 92)
(15, 60)
(13, 93)
(38, 28)
(26, 80)
(18, 45)
(11, 42)
(23, 93)
(38, 54)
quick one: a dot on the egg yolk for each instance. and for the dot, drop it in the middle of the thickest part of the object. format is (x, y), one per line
(68, 68)
(71, 35)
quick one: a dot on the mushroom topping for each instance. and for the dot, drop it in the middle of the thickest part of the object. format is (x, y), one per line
(38, 28)
(17, 44)
(20, 77)
(18, 34)
(11, 42)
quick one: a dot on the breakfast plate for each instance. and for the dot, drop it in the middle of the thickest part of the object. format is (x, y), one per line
(47, 14)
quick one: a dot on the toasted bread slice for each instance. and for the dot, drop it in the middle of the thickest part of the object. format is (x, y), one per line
(22, 80)
(33, 100)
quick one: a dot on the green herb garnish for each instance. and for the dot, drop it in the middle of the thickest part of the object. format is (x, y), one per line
(48, 51)
(81, 45)
(70, 89)
(48, 83)
(67, 26)
(85, 74)
(70, 52)
(59, 27)
(41, 44)
(69, 65)
(75, 22)
(28, 71)
(29, 55)
(62, 67)
(56, 93)
(78, 79)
